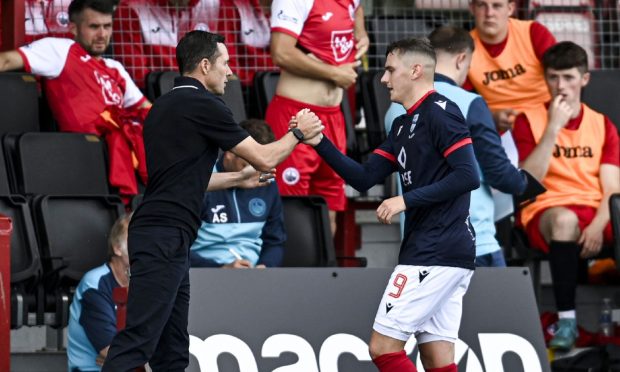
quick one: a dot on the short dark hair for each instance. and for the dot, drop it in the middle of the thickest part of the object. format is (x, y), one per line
(412, 45)
(566, 55)
(118, 233)
(259, 130)
(451, 39)
(77, 7)
(194, 47)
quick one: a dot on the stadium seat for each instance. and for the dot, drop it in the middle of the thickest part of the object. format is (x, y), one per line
(597, 93)
(5, 188)
(73, 232)
(151, 87)
(19, 103)
(57, 164)
(25, 260)
(309, 240)
(376, 101)
(233, 94)
(265, 83)
(571, 24)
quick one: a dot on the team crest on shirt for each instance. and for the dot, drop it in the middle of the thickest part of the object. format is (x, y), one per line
(201, 27)
(290, 176)
(414, 122)
(257, 207)
(62, 18)
(342, 44)
(112, 95)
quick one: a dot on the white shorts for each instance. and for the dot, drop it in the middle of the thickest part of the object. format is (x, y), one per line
(425, 301)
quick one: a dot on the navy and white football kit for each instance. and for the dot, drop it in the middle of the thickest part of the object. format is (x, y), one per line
(431, 149)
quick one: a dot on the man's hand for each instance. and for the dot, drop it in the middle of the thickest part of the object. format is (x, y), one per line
(314, 140)
(361, 44)
(345, 74)
(238, 264)
(389, 208)
(591, 240)
(504, 119)
(308, 123)
(251, 178)
(559, 114)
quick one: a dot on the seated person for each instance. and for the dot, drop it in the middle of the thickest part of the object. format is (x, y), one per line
(506, 69)
(88, 93)
(454, 48)
(92, 316)
(573, 150)
(241, 228)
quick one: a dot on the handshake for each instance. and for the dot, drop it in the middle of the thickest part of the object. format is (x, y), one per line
(310, 126)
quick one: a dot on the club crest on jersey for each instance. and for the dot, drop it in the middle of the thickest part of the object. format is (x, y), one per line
(257, 207)
(201, 27)
(111, 93)
(414, 122)
(290, 176)
(62, 19)
(342, 44)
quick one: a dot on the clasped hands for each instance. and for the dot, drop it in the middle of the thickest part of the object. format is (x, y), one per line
(310, 125)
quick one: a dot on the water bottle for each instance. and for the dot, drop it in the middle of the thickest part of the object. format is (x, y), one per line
(606, 326)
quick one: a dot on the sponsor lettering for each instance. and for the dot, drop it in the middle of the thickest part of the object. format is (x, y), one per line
(572, 152)
(493, 348)
(500, 74)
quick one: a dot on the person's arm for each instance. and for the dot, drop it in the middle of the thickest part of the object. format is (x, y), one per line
(361, 36)
(98, 318)
(463, 178)
(10, 61)
(266, 157)
(538, 162)
(542, 39)
(591, 238)
(247, 178)
(497, 170)
(273, 235)
(361, 177)
(287, 56)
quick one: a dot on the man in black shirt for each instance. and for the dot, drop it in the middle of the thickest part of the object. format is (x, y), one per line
(182, 135)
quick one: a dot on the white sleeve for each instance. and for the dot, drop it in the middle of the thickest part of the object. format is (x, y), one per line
(47, 57)
(290, 15)
(133, 94)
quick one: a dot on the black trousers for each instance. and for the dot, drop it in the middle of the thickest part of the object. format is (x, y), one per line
(158, 303)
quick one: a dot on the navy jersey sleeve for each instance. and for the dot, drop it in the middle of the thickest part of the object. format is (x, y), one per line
(216, 122)
(497, 170)
(273, 234)
(380, 164)
(98, 318)
(448, 128)
(451, 138)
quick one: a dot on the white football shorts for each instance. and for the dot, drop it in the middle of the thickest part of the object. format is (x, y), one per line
(425, 301)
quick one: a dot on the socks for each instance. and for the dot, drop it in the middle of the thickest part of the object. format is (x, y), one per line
(564, 264)
(449, 368)
(395, 362)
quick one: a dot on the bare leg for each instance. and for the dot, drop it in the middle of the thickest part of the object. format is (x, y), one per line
(436, 354)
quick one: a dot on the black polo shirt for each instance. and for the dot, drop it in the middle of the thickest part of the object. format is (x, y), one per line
(182, 135)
